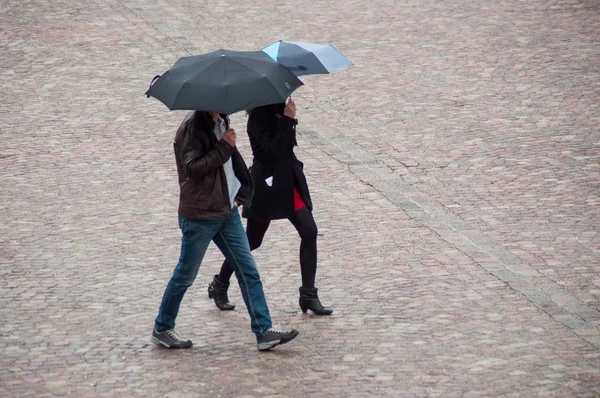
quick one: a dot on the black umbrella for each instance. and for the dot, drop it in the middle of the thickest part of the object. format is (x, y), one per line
(224, 81)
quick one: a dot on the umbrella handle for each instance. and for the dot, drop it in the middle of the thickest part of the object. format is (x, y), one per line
(151, 83)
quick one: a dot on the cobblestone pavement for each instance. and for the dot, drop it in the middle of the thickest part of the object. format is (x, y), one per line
(455, 171)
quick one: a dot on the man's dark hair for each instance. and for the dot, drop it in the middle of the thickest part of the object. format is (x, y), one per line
(203, 121)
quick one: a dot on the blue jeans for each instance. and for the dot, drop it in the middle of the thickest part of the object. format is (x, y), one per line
(230, 238)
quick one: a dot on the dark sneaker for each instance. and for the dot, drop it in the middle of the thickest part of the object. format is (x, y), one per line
(275, 336)
(170, 339)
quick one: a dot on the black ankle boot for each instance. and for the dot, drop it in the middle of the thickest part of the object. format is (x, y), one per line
(217, 290)
(309, 300)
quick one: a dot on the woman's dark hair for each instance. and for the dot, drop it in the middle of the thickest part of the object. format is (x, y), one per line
(270, 107)
(203, 121)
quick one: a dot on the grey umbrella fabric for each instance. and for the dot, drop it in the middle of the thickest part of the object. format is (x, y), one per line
(224, 81)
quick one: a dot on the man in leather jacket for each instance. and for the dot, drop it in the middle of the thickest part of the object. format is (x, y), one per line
(213, 181)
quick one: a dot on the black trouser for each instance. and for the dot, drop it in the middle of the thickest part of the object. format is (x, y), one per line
(305, 224)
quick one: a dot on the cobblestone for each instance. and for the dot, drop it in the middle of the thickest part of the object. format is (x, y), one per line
(455, 171)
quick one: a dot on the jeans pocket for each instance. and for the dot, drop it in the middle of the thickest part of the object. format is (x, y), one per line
(185, 225)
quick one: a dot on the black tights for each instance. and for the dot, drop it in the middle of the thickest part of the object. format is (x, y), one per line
(305, 224)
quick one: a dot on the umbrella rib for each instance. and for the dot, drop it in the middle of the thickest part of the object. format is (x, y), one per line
(226, 85)
(272, 85)
(176, 96)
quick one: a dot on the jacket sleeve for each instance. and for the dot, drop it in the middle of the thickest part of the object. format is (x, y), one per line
(274, 143)
(198, 162)
(244, 195)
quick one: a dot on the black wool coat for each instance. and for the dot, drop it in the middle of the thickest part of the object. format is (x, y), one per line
(272, 138)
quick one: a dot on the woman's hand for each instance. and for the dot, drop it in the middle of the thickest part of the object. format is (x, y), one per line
(290, 109)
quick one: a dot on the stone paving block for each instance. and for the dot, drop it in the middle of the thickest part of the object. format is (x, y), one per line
(455, 174)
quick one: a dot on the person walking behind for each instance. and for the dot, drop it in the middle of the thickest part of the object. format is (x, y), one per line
(281, 191)
(213, 179)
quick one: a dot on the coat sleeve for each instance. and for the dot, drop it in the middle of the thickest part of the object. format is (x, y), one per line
(199, 162)
(274, 143)
(244, 195)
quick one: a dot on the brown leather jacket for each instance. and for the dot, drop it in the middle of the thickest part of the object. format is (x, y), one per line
(203, 192)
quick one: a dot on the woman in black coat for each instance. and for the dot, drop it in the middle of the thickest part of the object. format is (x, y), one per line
(280, 191)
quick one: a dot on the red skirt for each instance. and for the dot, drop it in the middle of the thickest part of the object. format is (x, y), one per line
(298, 202)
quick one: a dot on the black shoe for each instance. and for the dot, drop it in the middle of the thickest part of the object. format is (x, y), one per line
(170, 339)
(309, 300)
(275, 337)
(217, 290)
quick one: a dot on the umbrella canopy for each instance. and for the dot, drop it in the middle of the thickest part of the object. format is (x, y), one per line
(307, 58)
(224, 81)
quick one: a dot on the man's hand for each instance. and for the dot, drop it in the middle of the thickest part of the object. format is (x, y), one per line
(229, 137)
(290, 109)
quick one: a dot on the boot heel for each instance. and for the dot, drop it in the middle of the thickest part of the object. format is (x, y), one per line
(210, 293)
(309, 300)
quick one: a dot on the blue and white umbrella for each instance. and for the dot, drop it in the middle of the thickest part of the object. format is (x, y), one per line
(307, 58)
